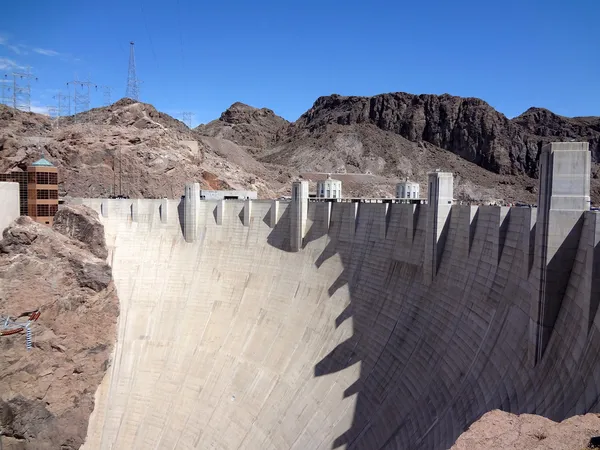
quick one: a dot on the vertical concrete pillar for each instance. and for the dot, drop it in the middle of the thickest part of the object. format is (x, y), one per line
(164, 210)
(328, 215)
(247, 212)
(135, 210)
(274, 218)
(298, 214)
(191, 203)
(564, 195)
(440, 199)
(220, 211)
(593, 267)
(104, 208)
(9, 203)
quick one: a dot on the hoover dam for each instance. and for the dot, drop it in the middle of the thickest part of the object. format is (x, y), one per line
(298, 324)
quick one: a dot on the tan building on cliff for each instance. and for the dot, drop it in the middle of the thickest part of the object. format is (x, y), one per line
(42, 191)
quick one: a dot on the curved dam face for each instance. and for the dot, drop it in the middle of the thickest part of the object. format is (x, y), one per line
(391, 327)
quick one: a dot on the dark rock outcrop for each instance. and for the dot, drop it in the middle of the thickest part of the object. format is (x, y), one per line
(468, 127)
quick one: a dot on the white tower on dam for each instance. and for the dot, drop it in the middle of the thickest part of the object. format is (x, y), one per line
(564, 196)
(439, 198)
(329, 188)
(299, 211)
(260, 324)
(408, 189)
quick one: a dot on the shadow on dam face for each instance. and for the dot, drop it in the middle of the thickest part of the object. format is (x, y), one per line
(234, 341)
(434, 358)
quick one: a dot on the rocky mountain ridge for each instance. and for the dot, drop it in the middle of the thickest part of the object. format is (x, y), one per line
(256, 129)
(468, 127)
(131, 148)
(399, 135)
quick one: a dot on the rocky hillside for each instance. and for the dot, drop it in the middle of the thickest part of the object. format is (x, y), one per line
(133, 149)
(127, 148)
(255, 129)
(47, 393)
(467, 127)
(403, 135)
(500, 430)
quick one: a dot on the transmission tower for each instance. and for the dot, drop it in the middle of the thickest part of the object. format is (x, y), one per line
(107, 95)
(133, 88)
(62, 107)
(186, 117)
(54, 114)
(22, 90)
(63, 104)
(6, 89)
(81, 95)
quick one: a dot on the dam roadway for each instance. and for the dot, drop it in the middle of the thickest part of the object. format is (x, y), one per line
(233, 341)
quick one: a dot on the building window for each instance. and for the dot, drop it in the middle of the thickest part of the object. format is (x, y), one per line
(31, 177)
(43, 210)
(41, 178)
(47, 194)
(52, 209)
(52, 178)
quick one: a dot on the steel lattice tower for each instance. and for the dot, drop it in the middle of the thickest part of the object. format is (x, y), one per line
(81, 95)
(187, 118)
(107, 95)
(6, 95)
(22, 90)
(133, 89)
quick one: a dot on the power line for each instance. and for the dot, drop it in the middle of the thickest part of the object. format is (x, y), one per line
(81, 95)
(62, 107)
(107, 95)
(63, 104)
(6, 89)
(22, 90)
(186, 117)
(133, 88)
(54, 114)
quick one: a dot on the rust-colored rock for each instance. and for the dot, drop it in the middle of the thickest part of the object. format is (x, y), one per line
(500, 430)
(47, 393)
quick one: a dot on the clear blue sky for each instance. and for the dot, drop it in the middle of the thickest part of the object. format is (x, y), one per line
(203, 56)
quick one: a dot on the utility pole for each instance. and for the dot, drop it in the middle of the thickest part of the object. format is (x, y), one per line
(22, 90)
(81, 95)
(107, 95)
(133, 88)
(6, 96)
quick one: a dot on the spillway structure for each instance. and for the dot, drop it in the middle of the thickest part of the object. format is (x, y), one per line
(317, 325)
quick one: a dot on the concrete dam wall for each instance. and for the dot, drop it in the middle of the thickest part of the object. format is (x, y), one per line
(305, 325)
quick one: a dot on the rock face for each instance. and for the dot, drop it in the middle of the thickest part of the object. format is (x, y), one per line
(467, 127)
(81, 223)
(47, 393)
(258, 129)
(133, 149)
(499, 430)
(126, 148)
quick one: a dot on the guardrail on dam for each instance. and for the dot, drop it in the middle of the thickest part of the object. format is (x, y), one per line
(268, 324)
